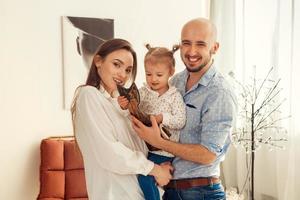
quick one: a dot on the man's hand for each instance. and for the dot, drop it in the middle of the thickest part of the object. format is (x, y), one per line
(148, 134)
(123, 102)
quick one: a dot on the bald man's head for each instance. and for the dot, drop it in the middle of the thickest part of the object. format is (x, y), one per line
(201, 24)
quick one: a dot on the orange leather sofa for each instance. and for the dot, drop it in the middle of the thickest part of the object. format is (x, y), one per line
(61, 170)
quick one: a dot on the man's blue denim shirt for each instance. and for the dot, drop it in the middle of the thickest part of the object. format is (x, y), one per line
(211, 108)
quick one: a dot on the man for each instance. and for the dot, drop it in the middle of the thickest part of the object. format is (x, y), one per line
(211, 109)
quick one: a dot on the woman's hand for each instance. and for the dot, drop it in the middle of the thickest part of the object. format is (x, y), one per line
(162, 173)
(123, 102)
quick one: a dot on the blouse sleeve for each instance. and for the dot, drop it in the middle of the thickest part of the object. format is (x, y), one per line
(175, 119)
(95, 133)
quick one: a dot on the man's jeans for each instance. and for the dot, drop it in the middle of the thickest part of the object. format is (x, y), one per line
(210, 192)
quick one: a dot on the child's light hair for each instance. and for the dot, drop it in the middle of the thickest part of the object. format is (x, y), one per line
(160, 55)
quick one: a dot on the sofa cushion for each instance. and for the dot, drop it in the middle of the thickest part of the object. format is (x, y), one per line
(61, 170)
(52, 154)
(72, 156)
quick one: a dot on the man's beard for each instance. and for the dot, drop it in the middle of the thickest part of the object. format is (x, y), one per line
(200, 67)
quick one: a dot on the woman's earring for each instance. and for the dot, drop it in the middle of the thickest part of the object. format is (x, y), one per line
(98, 66)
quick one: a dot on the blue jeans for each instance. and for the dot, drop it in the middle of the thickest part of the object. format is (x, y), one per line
(209, 192)
(148, 183)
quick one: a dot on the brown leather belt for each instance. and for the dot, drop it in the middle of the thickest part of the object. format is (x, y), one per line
(192, 182)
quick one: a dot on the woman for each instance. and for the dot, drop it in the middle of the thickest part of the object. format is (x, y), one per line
(113, 154)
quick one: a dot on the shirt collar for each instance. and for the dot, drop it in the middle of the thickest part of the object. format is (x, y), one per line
(206, 78)
(106, 94)
(209, 74)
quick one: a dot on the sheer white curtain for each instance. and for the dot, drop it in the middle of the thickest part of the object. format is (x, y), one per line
(288, 162)
(266, 34)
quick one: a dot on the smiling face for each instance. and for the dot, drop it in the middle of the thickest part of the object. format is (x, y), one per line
(115, 68)
(157, 76)
(198, 44)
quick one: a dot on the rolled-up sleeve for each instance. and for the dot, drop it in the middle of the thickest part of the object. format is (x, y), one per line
(218, 116)
(96, 135)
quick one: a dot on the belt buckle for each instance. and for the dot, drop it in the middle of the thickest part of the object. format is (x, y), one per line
(175, 184)
(210, 181)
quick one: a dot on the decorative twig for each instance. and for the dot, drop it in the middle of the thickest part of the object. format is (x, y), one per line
(265, 103)
(263, 83)
(270, 124)
(270, 92)
(268, 114)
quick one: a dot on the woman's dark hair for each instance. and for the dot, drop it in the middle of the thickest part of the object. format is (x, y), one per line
(105, 49)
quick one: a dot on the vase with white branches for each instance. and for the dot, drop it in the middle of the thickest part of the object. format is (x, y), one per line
(258, 120)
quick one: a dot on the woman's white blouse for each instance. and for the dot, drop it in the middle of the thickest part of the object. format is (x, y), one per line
(113, 154)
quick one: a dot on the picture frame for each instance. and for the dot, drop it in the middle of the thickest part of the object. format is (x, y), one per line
(81, 37)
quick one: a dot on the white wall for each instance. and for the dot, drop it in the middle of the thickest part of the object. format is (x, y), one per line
(31, 100)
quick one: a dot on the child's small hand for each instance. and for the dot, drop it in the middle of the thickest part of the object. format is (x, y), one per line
(123, 102)
(159, 118)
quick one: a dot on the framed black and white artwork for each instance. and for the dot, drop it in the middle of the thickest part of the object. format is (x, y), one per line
(81, 36)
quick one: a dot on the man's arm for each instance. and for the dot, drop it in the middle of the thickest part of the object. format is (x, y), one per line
(192, 152)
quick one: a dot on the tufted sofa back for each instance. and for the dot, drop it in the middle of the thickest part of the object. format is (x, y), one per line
(61, 170)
